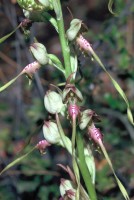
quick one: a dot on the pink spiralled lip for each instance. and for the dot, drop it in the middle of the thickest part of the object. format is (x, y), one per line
(84, 44)
(73, 110)
(42, 145)
(95, 134)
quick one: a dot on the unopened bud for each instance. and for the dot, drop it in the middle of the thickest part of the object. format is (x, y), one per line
(53, 102)
(67, 189)
(40, 53)
(51, 133)
(74, 29)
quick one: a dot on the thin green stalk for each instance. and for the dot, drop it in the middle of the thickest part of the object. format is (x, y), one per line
(83, 168)
(75, 166)
(63, 41)
(73, 134)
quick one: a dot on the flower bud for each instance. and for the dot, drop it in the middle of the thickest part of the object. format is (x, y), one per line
(67, 189)
(51, 133)
(69, 91)
(31, 69)
(40, 53)
(74, 29)
(42, 145)
(53, 102)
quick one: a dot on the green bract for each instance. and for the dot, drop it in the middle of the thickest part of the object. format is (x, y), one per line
(74, 29)
(54, 61)
(86, 117)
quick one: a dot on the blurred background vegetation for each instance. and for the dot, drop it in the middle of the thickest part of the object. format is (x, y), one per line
(21, 106)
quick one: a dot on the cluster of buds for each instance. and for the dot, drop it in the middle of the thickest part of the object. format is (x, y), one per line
(33, 5)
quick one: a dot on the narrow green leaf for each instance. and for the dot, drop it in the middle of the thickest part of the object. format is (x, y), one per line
(89, 158)
(116, 85)
(54, 61)
(122, 188)
(17, 161)
(63, 137)
(83, 167)
(51, 19)
(77, 175)
(8, 35)
(56, 6)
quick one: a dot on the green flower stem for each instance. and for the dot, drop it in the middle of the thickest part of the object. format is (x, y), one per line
(63, 41)
(83, 168)
(75, 166)
(73, 134)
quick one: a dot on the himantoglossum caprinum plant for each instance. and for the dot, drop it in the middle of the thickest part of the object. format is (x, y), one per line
(68, 102)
